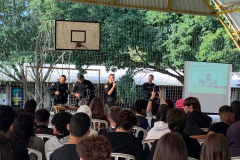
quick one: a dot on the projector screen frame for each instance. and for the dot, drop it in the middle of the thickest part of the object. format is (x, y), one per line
(203, 104)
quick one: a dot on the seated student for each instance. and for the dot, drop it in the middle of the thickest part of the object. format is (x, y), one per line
(160, 126)
(7, 116)
(98, 145)
(176, 119)
(42, 121)
(30, 106)
(79, 126)
(87, 110)
(62, 134)
(171, 146)
(5, 148)
(227, 118)
(192, 108)
(233, 138)
(140, 108)
(151, 106)
(235, 105)
(122, 141)
(112, 117)
(23, 133)
(215, 148)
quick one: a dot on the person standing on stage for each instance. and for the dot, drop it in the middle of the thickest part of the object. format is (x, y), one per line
(148, 87)
(59, 91)
(110, 91)
(83, 90)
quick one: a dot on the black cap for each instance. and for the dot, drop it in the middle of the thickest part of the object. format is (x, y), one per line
(80, 76)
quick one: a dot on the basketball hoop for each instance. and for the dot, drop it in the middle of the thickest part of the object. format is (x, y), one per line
(79, 45)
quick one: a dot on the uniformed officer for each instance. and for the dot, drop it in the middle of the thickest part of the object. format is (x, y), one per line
(59, 91)
(148, 87)
(110, 92)
(83, 90)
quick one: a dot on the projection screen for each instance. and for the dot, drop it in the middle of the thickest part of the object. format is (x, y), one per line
(209, 82)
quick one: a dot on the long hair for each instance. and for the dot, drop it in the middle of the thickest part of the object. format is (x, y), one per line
(97, 108)
(235, 105)
(30, 106)
(23, 129)
(5, 148)
(162, 113)
(171, 146)
(215, 147)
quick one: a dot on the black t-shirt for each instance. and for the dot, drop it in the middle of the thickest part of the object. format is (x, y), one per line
(123, 142)
(192, 145)
(42, 129)
(112, 97)
(19, 152)
(201, 119)
(57, 86)
(83, 88)
(106, 131)
(147, 90)
(66, 152)
(219, 127)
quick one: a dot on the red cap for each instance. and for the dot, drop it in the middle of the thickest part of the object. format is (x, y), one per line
(179, 104)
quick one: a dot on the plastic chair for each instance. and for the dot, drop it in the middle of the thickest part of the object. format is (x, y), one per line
(37, 153)
(201, 141)
(48, 154)
(190, 158)
(148, 142)
(121, 155)
(235, 158)
(138, 129)
(44, 136)
(204, 129)
(96, 123)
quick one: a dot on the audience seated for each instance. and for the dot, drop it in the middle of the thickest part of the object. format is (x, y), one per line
(87, 110)
(98, 145)
(112, 117)
(233, 138)
(79, 126)
(62, 134)
(160, 126)
(140, 108)
(192, 109)
(235, 105)
(5, 148)
(171, 146)
(7, 116)
(122, 141)
(30, 106)
(227, 118)
(176, 119)
(98, 111)
(42, 121)
(215, 148)
(151, 107)
(23, 133)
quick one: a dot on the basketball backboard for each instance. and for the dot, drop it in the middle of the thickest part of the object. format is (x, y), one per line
(75, 35)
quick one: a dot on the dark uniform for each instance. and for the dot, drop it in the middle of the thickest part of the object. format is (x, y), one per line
(62, 98)
(85, 89)
(147, 90)
(110, 100)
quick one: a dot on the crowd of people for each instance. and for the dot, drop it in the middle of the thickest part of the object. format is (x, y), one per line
(174, 131)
